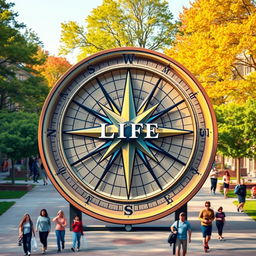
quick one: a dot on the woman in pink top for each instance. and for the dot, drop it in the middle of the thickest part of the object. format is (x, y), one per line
(61, 223)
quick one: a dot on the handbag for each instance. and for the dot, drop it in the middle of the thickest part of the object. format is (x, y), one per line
(172, 237)
(34, 244)
(20, 241)
(84, 242)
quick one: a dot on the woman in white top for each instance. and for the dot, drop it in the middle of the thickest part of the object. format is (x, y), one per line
(226, 182)
(214, 179)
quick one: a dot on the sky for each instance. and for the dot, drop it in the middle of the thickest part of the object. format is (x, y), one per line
(45, 17)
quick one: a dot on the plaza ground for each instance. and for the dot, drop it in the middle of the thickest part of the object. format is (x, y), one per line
(239, 231)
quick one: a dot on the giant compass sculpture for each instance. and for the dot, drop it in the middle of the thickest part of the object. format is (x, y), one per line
(127, 135)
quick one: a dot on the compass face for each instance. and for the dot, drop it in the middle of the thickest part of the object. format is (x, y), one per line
(127, 135)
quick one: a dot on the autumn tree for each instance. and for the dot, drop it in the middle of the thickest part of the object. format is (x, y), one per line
(20, 87)
(53, 69)
(117, 23)
(217, 43)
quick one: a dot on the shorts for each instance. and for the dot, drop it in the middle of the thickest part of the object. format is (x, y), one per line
(225, 185)
(183, 243)
(206, 230)
(241, 199)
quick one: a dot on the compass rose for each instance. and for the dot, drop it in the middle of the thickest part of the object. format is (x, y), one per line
(129, 118)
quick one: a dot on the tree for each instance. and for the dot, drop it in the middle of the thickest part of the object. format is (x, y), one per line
(53, 69)
(118, 23)
(217, 43)
(18, 135)
(18, 52)
(237, 130)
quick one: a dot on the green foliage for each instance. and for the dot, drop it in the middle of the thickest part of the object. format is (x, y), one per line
(249, 208)
(18, 52)
(18, 134)
(118, 23)
(10, 194)
(237, 129)
(4, 206)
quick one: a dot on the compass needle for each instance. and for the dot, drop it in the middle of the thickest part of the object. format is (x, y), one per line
(161, 113)
(91, 111)
(111, 103)
(128, 153)
(146, 102)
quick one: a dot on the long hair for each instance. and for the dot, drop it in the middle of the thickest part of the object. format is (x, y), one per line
(63, 215)
(46, 213)
(227, 173)
(23, 220)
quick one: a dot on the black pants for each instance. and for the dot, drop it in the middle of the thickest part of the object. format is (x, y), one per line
(27, 242)
(220, 225)
(213, 184)
(43, 238)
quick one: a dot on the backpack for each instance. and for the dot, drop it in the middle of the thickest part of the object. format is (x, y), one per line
(236, 190)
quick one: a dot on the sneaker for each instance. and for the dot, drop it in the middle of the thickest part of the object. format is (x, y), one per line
(77, 249)
(29, 253)
(72, 249)
(58, 250)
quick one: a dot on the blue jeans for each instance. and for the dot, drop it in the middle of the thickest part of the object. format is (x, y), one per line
(76, 239)
(27, 242)
(60, 234)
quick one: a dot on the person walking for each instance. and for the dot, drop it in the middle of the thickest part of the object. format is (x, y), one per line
(220, 221)
(35, 169)
(44, 175)
(77, 233)
(206, 216)
(61, 223)
(241, 195)
(226, 182)
(26, 230)
(182, 227)
(214, 179)
(43, 225)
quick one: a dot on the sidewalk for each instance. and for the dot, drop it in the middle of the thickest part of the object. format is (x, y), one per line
(239, 231)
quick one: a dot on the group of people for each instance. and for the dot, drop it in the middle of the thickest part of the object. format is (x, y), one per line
(183, 229)
(240, 192)
(43, 227)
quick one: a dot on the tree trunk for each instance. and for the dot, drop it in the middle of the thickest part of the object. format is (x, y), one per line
(13, 172)
(222, 167)
(238, 170)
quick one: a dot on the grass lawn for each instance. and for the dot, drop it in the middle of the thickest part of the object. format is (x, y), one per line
(249, 208)
(231, 193)
(10, 194)
(16, 178)
(4, 206)
(231, 178)
(20, 178)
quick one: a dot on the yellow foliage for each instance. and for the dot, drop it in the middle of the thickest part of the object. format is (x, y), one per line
(217, 41)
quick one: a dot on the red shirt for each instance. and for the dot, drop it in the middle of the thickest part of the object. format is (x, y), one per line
(77, 226)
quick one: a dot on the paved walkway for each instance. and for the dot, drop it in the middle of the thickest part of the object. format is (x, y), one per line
(239, 231)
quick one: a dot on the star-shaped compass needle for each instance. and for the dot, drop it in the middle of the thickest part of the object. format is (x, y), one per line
(128, 132)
